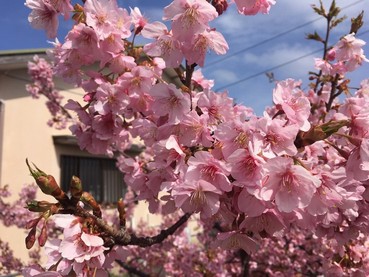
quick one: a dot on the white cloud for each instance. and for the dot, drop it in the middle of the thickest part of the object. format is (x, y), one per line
(276, 55)
(223, 75)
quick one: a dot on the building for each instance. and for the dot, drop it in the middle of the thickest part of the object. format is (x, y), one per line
(25, 134)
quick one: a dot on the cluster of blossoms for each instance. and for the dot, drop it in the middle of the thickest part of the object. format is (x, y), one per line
(41, 74)
(13, 214)
(79, 250)
(304, 163)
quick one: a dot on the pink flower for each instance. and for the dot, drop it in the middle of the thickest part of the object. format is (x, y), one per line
(189, 17)
(348, 47)
(199, 80)
(252, 7)
(249, 204)
(196, 50)
(357, 166)
(195, 130)
(120, 63)
(168, 100)
(204, 166)
(43, 16)
(324, 66)
(138, 20)
(235, 240)
(218, 106)
(146, 130)
(291, 186)
(278, 138)
(246, 165)
(349, 53)
(63, 6)
(105, 17)
(110, 99)
(78, 249)
(269, 222)
(169, 154)
(110, 46)
(233, 135)
(138, 81)
(197, 196)
(83, 38)
(327, 196)
(166, 46)
(289, 98)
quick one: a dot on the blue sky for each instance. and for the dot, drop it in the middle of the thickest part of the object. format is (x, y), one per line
(242, 70)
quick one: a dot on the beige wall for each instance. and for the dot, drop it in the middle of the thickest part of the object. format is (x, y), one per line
(25, 132)
(25, 135)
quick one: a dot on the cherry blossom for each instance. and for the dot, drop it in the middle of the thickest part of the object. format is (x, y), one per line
(189, 17)
(43, 16)
(168, 100)
(252, 7)
(291, 186)
(199, 196)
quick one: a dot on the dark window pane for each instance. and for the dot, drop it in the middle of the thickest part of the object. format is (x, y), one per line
(99, 176)
(90, 173)
(69, 167)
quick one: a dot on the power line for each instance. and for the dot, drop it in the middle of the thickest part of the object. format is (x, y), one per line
(268, 70)
(274, 37)
(276, 67)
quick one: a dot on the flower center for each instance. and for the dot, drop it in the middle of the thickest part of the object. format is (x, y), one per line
(210, 171)
(288, 181)
(198, 198)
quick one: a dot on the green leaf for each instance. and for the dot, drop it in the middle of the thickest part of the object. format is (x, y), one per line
(337, 21)
(314, 36)
(320, 10)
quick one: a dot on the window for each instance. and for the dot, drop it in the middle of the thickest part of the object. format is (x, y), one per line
(99, 176)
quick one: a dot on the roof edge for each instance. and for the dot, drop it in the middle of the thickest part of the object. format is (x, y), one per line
(20, 52)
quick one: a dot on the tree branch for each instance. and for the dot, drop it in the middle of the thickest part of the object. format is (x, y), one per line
(123, 237)
(132, 269)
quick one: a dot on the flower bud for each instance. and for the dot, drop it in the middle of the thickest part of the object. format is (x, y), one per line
(320, 132)
(87, 198)
(38, 206)
(47, 183)
(33, 223)
(76, 189)
(42, 238)
(220, 5)
(79, 16)
(122, 213)
(31, 238)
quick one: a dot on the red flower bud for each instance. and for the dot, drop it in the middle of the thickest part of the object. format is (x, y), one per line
(47, 183)
(320, 132)
(31, 238)
(88, 199)
(38, 206)
(122, 213)
(76, 189)
(220, 5)
(33, 223)
(42, 238)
